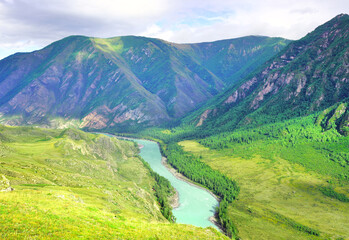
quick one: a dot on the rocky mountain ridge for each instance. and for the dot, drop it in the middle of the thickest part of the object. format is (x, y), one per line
(123, 82)
(309, 75)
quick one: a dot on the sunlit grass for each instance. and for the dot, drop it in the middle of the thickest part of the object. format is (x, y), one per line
(73, 185)
(112, 45)
(272, 189)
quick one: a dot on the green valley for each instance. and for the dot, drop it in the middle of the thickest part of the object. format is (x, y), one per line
(70, 184)
(282, 135)
(286, 173)
(293, 175)
(260, 124)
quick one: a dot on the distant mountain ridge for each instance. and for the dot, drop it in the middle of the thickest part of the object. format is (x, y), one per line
(123, 82)
(309, 75)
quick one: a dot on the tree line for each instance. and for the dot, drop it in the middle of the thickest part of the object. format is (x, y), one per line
(197, 171)
(163, 190)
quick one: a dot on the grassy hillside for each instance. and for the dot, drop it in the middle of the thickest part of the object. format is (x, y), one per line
(69, 184)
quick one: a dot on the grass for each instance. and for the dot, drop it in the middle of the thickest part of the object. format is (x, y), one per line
(111, 45)
(299, 140)
(277, 196)
(69, 184)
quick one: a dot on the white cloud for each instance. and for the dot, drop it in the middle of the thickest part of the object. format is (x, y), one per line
(119, 9)
(29, 24)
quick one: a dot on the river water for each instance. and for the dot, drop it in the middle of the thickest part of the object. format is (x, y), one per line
(196, 205)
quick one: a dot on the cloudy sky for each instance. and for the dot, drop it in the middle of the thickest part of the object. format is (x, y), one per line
(27, 25)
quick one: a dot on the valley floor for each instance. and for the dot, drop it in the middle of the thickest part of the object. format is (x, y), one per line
(277, 196)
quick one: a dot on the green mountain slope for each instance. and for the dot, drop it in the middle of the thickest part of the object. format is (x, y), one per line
(309, 75)
(233, 60)
(123, 82)
(69, 184)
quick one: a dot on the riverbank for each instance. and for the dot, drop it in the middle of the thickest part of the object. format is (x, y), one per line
(175, 202)
(175, 198)
(184, 178)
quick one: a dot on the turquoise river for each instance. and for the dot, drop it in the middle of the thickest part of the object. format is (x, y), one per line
(196, 205)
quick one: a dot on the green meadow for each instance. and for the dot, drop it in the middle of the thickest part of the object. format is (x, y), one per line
(293, 178)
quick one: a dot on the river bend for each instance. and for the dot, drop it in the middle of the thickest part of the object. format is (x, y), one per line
(196, 205)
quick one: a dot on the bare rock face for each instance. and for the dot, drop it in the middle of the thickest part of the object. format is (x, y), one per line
(5, 185)
(135, 115)
(94, 121)
(242, 91)
(204, 116)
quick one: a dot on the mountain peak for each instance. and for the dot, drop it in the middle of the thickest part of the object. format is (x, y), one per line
(332, 27)
(341, 16)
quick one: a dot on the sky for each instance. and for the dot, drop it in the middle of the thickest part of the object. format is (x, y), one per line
(27, 25)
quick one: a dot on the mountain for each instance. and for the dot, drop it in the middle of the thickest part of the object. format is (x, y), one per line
(123, 82)
(307, 76)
